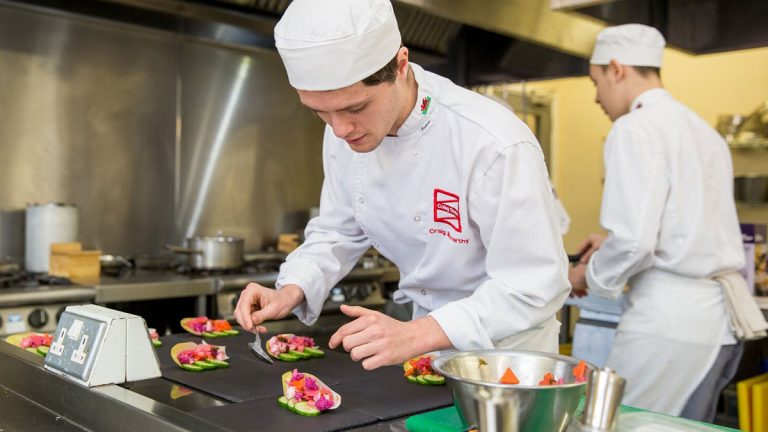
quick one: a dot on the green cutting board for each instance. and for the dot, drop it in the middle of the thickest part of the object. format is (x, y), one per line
(447, 420)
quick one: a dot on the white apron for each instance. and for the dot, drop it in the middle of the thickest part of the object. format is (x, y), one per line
(671, 333)
(544, 337)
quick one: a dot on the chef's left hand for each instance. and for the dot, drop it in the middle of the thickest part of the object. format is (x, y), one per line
(578, 279)
(379, 340)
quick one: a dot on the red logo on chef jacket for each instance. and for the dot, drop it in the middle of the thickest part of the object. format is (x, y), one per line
(446, 209)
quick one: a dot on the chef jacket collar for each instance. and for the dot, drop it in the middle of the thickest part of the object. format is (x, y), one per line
(648, 97)
(420, 117)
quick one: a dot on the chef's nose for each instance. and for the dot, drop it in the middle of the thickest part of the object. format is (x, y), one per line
(341, 126)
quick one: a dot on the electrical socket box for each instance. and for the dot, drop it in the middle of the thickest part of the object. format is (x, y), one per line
(94, 345)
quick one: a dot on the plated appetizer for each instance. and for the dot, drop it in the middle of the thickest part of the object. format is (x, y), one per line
(206, 327)
(305, 394)
(154, 337)
(38, 343)
(197, 358)
(419, 370)
(289, 347)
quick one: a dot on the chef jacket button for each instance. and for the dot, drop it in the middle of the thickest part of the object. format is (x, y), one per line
(416, 218)
(415, 153)
(361, 200)
(423, 292)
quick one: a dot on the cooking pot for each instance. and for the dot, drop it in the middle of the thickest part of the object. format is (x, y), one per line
(213, 253)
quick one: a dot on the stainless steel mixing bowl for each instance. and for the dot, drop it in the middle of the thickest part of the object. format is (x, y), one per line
(483, 402)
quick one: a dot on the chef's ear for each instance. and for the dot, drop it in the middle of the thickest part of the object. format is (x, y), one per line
(616, 70)
(402, 61)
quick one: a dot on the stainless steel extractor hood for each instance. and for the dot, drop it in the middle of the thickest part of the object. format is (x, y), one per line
(470, 42)
(696, 26)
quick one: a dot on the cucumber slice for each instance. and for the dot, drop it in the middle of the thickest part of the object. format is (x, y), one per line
(231, 332)
(314, 352)
(205, 365)
(412, 378)
(303, 408)
(209, 334)
(157, 342)
(192, 367)
(288, 357)
(43, 350)
(434, 379)
(220, 333)
(291, 405)
(420, 379)
(282, 401)
(300, 355)
(218, 363)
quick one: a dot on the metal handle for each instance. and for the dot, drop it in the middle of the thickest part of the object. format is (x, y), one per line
(182, 250)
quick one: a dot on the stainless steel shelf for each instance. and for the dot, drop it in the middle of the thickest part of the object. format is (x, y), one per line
(758, 144)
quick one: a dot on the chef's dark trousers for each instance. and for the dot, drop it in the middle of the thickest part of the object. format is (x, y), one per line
(702, 404)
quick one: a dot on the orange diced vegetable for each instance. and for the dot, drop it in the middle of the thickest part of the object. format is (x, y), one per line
(548, 379)
(580, 369)
(509, 377)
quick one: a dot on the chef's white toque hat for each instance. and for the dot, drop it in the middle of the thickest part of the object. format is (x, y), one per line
(331, 44)
(629, 44)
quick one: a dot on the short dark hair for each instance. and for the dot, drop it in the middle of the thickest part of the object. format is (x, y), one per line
(644, 71)
(386, 74)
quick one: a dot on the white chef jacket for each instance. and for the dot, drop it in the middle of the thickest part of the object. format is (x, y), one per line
(668, 206)
(460, 202)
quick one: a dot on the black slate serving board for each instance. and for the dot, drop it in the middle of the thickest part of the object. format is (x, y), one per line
(265, 414)
(254, 386)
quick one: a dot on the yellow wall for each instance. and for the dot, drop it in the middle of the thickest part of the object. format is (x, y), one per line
(727, 83)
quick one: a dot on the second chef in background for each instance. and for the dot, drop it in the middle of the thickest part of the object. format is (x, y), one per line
(668, 206)
(447, 184)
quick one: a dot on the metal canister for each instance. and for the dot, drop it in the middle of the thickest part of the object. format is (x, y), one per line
(603, 398)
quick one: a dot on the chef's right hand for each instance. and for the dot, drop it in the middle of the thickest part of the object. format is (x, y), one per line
(258, 304)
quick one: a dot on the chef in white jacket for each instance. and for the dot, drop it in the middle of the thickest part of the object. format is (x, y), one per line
(668, 208)
(448, 185)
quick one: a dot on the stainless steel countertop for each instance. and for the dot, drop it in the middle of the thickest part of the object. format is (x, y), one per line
(151, 285)
(27, 389)
(46, 294)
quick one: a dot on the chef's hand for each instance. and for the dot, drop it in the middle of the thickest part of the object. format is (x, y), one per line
(578, 279)
(379, 340)
(591, 244)
(258, 304)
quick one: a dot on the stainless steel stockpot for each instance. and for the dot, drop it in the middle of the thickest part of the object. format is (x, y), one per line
(213, 253)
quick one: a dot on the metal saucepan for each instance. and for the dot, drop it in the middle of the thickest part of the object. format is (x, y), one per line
(115, 265)
(213, 253)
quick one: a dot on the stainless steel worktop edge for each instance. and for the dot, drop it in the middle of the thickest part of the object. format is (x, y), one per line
(108, 407)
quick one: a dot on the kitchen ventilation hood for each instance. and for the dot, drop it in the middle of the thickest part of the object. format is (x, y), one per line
(695, 26)
(470, 42)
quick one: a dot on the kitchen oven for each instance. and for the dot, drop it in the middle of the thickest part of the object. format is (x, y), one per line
(34, 302)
